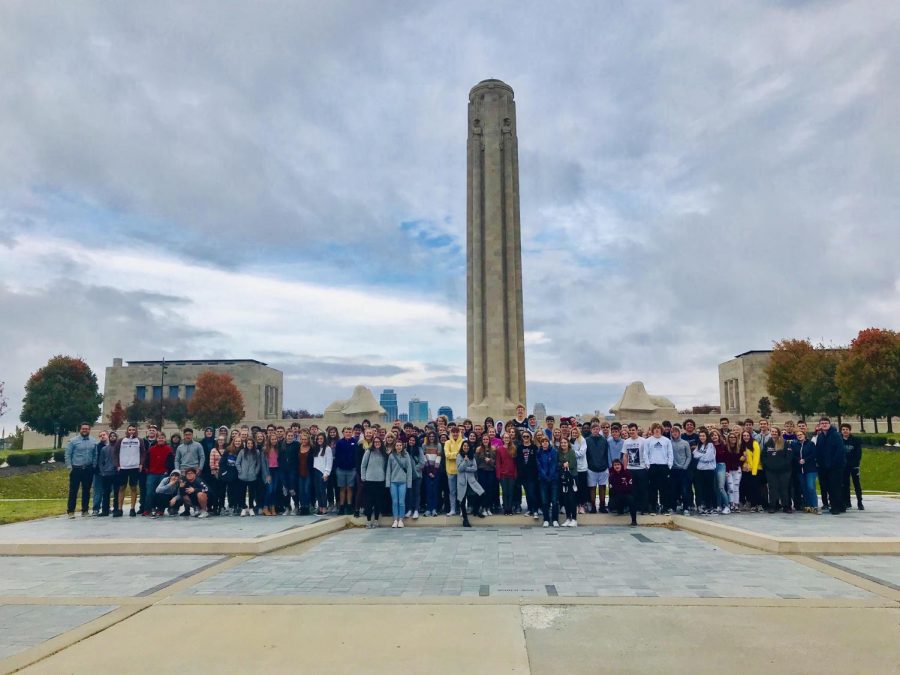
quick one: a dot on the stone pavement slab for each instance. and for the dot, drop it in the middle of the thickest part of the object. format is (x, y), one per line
(25, 626)
(305, 639)
(62, 528)
(716, 640)
(884, 569)
(880, 519)
(94, 576)
(587, 562)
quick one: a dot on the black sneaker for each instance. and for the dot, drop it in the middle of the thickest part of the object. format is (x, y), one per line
(860, 507)
(603, 509)
(132, 513)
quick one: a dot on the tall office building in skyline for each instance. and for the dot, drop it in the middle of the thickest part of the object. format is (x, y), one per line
(447, 411)
(388, 401)
(418, 410)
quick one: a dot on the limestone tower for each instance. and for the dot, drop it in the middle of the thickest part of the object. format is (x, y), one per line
(496, 337)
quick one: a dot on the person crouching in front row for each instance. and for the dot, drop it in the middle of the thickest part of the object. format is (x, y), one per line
(620, 489)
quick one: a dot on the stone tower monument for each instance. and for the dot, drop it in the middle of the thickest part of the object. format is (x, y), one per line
(496, 339)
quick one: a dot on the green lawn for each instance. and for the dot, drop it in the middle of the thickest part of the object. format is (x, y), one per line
(13, 512)
(6, 453)
(880, 470)
(46, 485)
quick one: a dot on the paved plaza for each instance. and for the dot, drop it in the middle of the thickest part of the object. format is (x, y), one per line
(586, 562)
(541, 591)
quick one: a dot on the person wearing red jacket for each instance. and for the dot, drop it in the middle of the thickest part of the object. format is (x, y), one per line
(506, 472)
(160, 462)
(620, 491)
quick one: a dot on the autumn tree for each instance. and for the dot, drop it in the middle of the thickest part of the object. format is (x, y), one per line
(785, 376)
(60, 396)
(136, 412)
(177, 411)
(2, 398)
(217, 401)
(116, 417)
(764, 408)
(869, 377)
(819, 389)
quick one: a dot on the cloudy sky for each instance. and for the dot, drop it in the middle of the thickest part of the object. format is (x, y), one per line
(286, 181)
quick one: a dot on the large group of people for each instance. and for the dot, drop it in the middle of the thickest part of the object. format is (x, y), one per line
(468, 469)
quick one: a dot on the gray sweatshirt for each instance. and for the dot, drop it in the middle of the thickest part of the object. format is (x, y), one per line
(250, 466)
(372, 467)
(106, 463)
(681, 454)
(399, 469)
(190, 455)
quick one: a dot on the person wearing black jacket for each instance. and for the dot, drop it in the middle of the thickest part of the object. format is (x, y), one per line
(598, 466)
(288, 457)
(853, 453)
(527, 471)
(833, 458)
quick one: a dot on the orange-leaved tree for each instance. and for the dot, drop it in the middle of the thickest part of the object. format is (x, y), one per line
(869, 376)
(216, 401)
(116, 416)
(785, 376)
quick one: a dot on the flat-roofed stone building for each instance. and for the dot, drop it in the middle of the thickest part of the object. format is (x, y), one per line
(742, 382)
(261, 386)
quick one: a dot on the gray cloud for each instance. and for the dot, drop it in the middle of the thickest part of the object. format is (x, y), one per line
(703, 183)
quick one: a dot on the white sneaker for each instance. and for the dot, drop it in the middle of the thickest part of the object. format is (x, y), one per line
(546, 524)
(415, 515)
(537, 516)
(452, 513)
(400, 523)
(408, 514)
(394, 524)
(245, 512)
(566, 524)
(686, 512)
(555, 523)
(726, 511)
(203, 514)
(488, 513)
(574, 523)
(251, 512)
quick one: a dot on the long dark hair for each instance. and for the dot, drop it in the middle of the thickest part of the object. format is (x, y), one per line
(320, 447)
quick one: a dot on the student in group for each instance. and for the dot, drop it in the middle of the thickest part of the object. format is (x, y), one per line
(106, 469)
(193, 493)
(322, 467)
(372, 470)
(252, 473)
(548, 477)
(431, 472)
(345, 467)
(486, 463)
(417, 461)
(228, 478)
(527, 472)
(189, 454)
(398, 479)
(468, 488)
(853, 454)
(306, 491)
(273, 485)
(776, 460)
(167, 494)
(621, 486)
(160, 462)
(805, 449)
(659, 459)
(288, 457)
(579, 445)
(568, 487)
(213, 459)
(130, 456)
(451, 449)
(689, 434)
(733, 461)
(506, 472)
(633, 451)
(96, 488)
(680, 477)
(750, 461)
(705, 454)
(722, 503)
(597, 459)
(832, 458)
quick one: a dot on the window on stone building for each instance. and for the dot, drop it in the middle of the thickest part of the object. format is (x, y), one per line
(157, 393)
(173, 391)
(189, 392)
(140, 393)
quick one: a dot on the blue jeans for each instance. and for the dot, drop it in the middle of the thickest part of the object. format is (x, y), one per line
(153, 481)
(398, 500)
(431, 492)
(531, 495)
(810, 498)
(97, 492)
(721, 492)
(304, 491)
(273, 487)
(414, 495)
(549, 500)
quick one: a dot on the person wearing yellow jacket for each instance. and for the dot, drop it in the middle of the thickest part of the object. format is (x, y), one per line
(750, 467)
(451, 450)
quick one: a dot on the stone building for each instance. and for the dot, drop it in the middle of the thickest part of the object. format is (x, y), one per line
(742, 382)
(260, 385)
